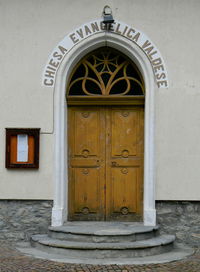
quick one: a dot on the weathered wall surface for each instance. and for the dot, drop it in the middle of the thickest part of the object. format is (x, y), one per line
(180, 218)
(29, 32)
(20, 219)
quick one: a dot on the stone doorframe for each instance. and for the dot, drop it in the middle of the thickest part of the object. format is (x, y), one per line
(60, 209)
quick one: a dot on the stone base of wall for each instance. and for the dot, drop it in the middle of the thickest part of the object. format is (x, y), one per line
(19, 219)
(181, 218)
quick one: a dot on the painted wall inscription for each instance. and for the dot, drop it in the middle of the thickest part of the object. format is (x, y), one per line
(118, 28)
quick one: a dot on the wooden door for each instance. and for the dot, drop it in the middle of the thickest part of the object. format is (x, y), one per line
(124, 190)
(106, 163)
(86, 163)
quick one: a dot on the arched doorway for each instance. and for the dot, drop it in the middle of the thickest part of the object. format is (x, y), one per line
(105, 97)
(60, 173)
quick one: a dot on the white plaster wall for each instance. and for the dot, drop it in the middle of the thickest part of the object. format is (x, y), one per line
(31, 29)
(30, 184)
(178, 111)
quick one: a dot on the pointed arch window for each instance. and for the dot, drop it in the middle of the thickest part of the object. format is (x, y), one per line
(105, 73)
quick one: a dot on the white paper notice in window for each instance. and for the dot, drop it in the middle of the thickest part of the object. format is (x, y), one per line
(22, 148)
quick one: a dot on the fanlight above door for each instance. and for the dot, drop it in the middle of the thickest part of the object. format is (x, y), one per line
(105, 73)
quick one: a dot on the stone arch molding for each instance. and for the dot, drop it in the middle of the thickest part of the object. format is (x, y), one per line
(90, 29)
(60, 78)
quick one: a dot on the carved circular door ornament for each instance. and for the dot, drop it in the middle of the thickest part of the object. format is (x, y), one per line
(85, 210)
(85, 114)
(125, 113)
(85, 153)
(124, 210)
(125, 153)
(85, 171)
(124, 171)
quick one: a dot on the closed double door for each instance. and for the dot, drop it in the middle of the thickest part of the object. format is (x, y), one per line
(106, 163)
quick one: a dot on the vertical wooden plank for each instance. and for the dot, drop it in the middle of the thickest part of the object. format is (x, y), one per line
(13, 147)
(31, 148)
(108, 177)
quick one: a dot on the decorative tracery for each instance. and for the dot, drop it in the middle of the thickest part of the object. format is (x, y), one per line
(106, 72)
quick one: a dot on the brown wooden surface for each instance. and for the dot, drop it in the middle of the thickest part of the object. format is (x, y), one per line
(124, 163)
(106, 100)
(11, 148)
(87, 155)
(106, 163)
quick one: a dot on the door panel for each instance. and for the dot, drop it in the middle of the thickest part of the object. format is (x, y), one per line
(124, 189)
(86, 156)
(86, 189)
(86, 142)
(124, 164)
(106, 163)
(123, 137)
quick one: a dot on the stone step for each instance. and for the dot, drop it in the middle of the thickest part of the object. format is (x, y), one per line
(179, 252)
(103, 232)
(149, 247)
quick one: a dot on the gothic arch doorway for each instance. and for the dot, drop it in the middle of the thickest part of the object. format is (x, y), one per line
(105, 97)
(61, 176)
